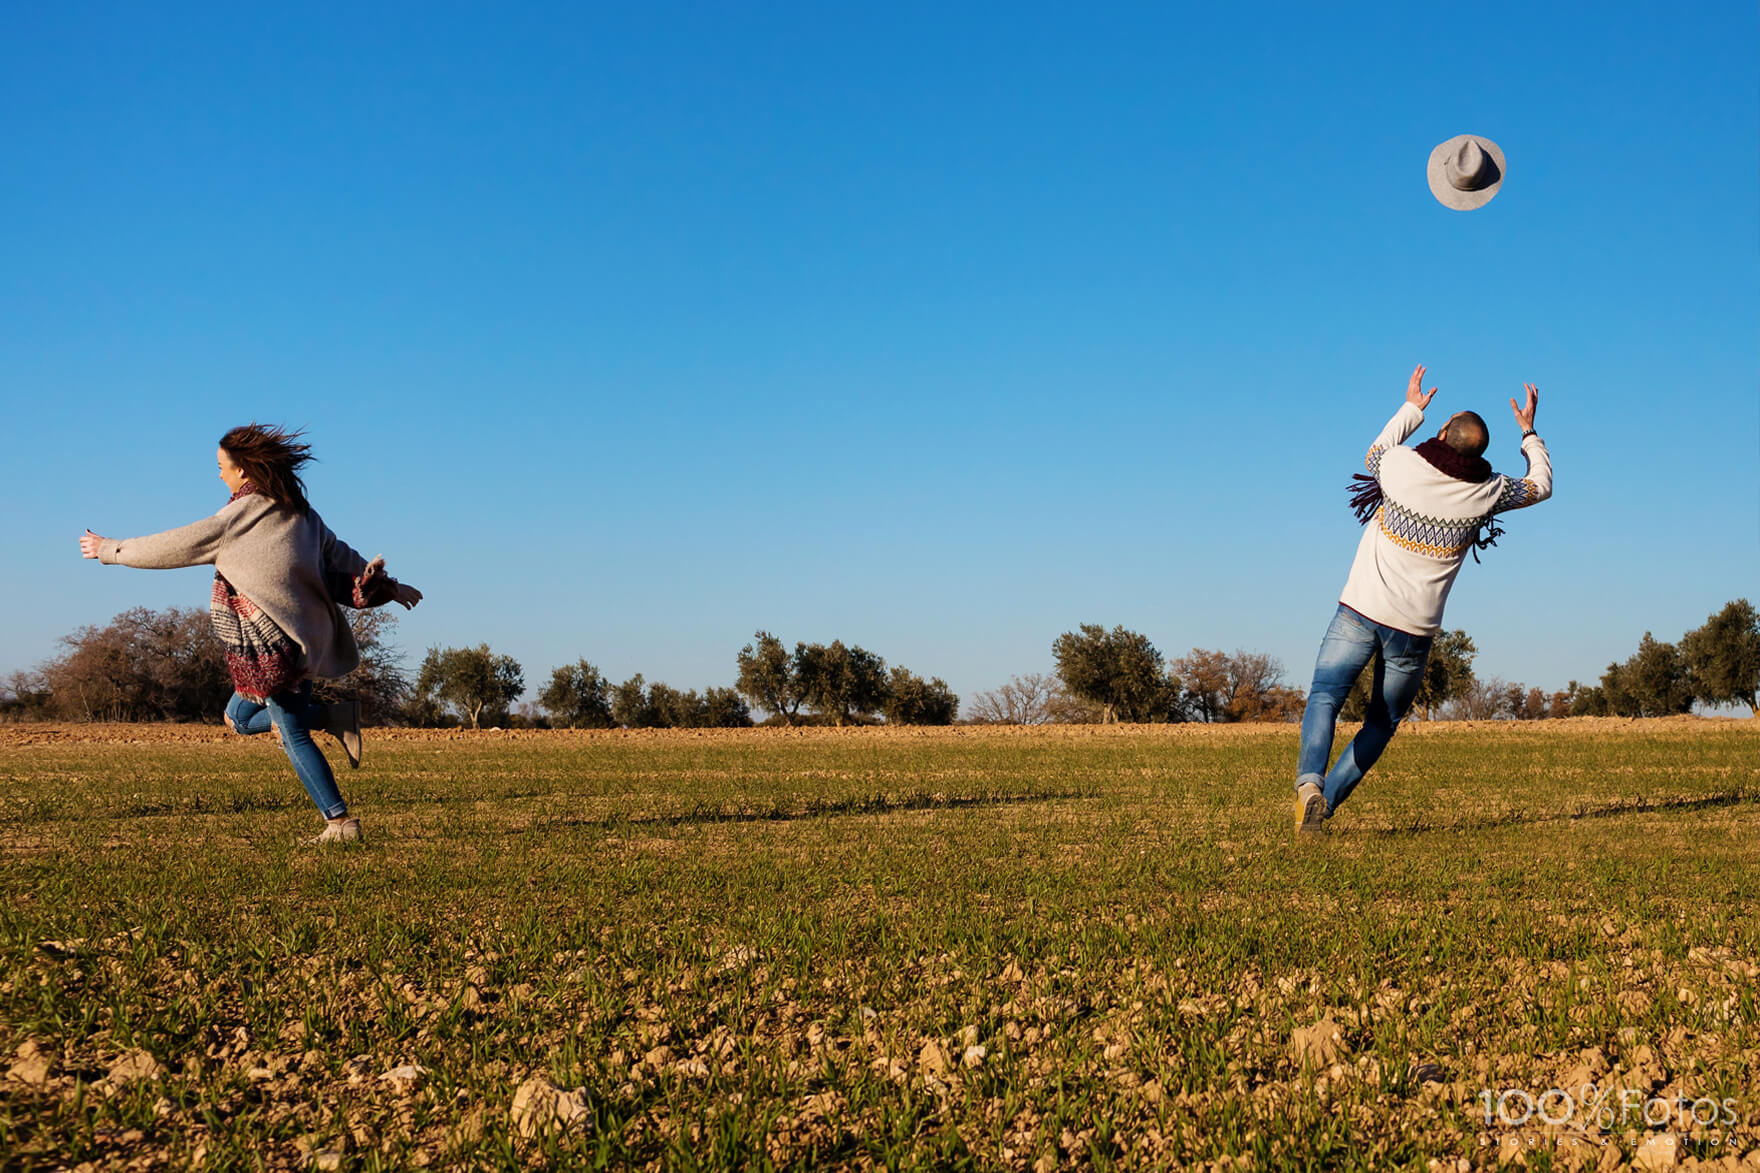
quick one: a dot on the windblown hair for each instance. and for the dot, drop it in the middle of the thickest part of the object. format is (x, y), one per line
(1468, 435)
(271, 458)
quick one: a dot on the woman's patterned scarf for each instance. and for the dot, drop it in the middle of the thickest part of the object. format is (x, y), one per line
(1365, 490)
(262, 659)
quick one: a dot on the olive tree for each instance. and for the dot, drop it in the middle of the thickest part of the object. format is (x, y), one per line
(911, 700)
(1118, 670)
(578, 697)
(471, 682)
(1723, 657)
(767, 677)
(838, 681)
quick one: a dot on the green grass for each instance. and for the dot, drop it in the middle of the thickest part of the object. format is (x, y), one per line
(770, 948)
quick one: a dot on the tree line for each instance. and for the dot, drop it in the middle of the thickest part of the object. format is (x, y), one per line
(167, 665)
(1118, 675)
(1716, 663)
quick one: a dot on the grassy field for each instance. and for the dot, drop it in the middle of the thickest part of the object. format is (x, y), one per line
(1011, 949)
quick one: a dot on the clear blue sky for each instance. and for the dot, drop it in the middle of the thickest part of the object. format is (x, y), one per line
(626, 330)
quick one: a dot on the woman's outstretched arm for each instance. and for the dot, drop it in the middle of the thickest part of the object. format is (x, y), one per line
(195, 544)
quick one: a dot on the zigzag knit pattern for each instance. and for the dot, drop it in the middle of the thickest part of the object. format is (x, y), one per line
(1433, 537)
(1516, 494)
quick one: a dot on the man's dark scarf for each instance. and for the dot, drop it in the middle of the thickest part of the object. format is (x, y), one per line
(1365, 490)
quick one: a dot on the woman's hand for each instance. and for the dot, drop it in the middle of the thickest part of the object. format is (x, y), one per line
(89, 543)
(408, 595)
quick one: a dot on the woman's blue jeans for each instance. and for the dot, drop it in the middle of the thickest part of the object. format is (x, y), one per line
(294, 712)
(1351, 643)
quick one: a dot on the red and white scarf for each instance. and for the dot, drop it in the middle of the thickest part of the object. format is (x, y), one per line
(261, 658)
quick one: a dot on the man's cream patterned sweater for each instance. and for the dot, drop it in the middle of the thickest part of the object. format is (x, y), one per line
(1414, 545)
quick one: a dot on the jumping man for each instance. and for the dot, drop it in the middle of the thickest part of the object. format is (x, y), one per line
(1427, 507)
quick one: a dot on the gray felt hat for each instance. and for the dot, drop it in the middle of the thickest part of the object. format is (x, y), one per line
(1466, 171)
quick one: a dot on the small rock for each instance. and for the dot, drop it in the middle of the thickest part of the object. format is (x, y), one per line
(32, 1069)
(974, 1056)
(326, 1160)
(539, 1107)
(1658, 1151)
(406, 1078)
(133, 1065)
(1317, 1046)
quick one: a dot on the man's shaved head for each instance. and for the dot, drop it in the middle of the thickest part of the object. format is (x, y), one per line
(1466, 433)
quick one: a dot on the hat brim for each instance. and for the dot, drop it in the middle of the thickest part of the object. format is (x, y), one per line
(1450, 196)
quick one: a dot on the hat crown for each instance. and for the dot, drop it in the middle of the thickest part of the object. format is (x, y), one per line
(1469, 168)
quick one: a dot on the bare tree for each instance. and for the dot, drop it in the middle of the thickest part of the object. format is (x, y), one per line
(25, 697)
(1534, 705)
(1024, 700)
(142, 665)
(1479, 700)
(1237, 686)
(378, 681)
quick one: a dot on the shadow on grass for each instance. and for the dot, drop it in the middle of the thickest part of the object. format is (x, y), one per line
(873, 804)
(1606, 810)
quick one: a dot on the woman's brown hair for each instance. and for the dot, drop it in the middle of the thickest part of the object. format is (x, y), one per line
(270, 458)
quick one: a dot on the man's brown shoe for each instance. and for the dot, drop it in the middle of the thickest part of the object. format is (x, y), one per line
(1310, 808)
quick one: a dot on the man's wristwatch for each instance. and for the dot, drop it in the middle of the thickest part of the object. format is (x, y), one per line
(1529, 432)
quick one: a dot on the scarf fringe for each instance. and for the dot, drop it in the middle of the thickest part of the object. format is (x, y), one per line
(1366, 497)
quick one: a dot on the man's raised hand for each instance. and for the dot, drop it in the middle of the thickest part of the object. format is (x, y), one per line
(1525, 416)
(1415, 390)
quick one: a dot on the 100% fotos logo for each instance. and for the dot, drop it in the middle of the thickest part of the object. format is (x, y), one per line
(1603, 1107)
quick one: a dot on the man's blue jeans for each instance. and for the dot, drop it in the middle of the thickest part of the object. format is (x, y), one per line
(294, 712)
(1351, 643)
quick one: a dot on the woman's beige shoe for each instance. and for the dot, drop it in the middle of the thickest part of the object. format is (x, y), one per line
(342, 720)
(346, 831)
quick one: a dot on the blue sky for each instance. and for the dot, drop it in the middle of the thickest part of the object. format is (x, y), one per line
(626, 330)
